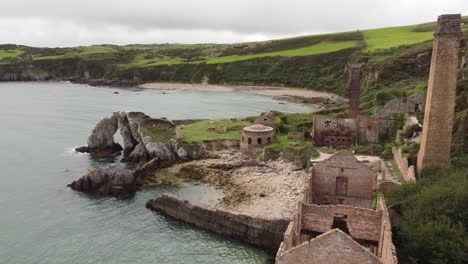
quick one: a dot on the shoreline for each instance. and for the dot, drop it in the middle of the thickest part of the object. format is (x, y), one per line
(294, 94)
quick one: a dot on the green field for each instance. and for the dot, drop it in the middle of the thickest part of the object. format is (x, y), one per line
(323, 47)
(79, 52)
(10, 54)
(385, 38)
(204, 130)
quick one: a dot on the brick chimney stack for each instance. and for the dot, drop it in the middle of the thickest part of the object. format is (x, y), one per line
(355, 92)
(440, 102)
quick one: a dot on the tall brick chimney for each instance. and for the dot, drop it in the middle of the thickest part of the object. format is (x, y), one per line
(355, 92)
(440, 102)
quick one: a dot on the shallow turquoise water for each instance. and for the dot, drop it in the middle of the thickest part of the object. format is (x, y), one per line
(41, 221)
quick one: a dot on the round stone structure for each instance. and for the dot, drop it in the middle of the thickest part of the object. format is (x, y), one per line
(256, 135)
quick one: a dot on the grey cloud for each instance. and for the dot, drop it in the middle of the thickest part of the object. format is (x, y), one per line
(240, 19)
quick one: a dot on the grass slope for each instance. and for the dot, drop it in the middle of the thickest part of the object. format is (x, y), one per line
(320, 48)
(205, 130)
(386, 38)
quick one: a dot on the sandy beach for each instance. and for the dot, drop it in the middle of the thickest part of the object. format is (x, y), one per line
(261, 90)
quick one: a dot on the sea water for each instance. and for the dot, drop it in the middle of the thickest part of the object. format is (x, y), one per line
(42, 221)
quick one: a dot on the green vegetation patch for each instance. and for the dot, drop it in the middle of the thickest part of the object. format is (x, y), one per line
(294, 150)
(205, 130)
(78, 52)
(323, 47)
(385, 38)
(158, 131)
(10, 54)
(434, 217)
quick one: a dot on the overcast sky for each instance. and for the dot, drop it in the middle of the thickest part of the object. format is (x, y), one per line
(83, 22)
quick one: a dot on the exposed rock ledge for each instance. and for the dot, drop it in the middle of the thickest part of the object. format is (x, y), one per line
(144, 139)
(264, 233)
(116, 182)
(151, 143)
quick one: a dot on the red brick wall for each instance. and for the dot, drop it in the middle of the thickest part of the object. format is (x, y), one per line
(361, 184)
(386, 251)
(362, 223)
(355, 92)
(407, 172)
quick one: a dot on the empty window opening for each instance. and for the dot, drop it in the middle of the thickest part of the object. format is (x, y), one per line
(341, 187)
(341, 222)
(249, 141)
(269, 139)
(259, 141)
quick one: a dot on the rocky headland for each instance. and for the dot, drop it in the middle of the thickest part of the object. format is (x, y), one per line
(156, 155)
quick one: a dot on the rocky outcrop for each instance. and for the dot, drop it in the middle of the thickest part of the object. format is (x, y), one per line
(123, 125)
(107, 181)
(144, 138)
(264, 233)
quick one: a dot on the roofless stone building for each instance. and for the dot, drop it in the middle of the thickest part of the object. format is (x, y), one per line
(256, 135)
(440, 103)
(336, 222)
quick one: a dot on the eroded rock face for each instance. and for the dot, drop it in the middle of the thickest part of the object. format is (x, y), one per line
(101, 141)
(120, 183)
(124, 127)
(103, 134)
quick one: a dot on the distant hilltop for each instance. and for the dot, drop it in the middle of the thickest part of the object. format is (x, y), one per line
(395, 63)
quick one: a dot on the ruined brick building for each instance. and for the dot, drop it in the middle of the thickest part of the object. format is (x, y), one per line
(267, 119)
(440, 103)
(346, 132)
(335, 132)
(342, 179)
(342, 227)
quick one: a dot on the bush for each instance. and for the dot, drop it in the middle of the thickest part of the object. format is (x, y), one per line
(434, 217)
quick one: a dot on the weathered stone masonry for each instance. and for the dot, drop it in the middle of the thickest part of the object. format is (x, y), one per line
(264, 233)
(440, 103)
(355, 92)
(337, 233)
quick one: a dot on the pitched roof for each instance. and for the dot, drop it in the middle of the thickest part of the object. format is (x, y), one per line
(333, 246)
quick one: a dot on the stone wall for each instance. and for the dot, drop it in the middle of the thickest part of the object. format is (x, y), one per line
(323, 124)
(362, 223)
(360, 181)
(368, 130)
(252, 140)
(386, 250)
(407, 172)
(264, 233)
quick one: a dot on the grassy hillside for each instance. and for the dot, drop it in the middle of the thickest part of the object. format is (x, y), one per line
(386, 38)
(393, 58)
(396, 61)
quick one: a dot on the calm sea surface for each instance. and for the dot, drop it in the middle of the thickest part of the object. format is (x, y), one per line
(41, 221)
